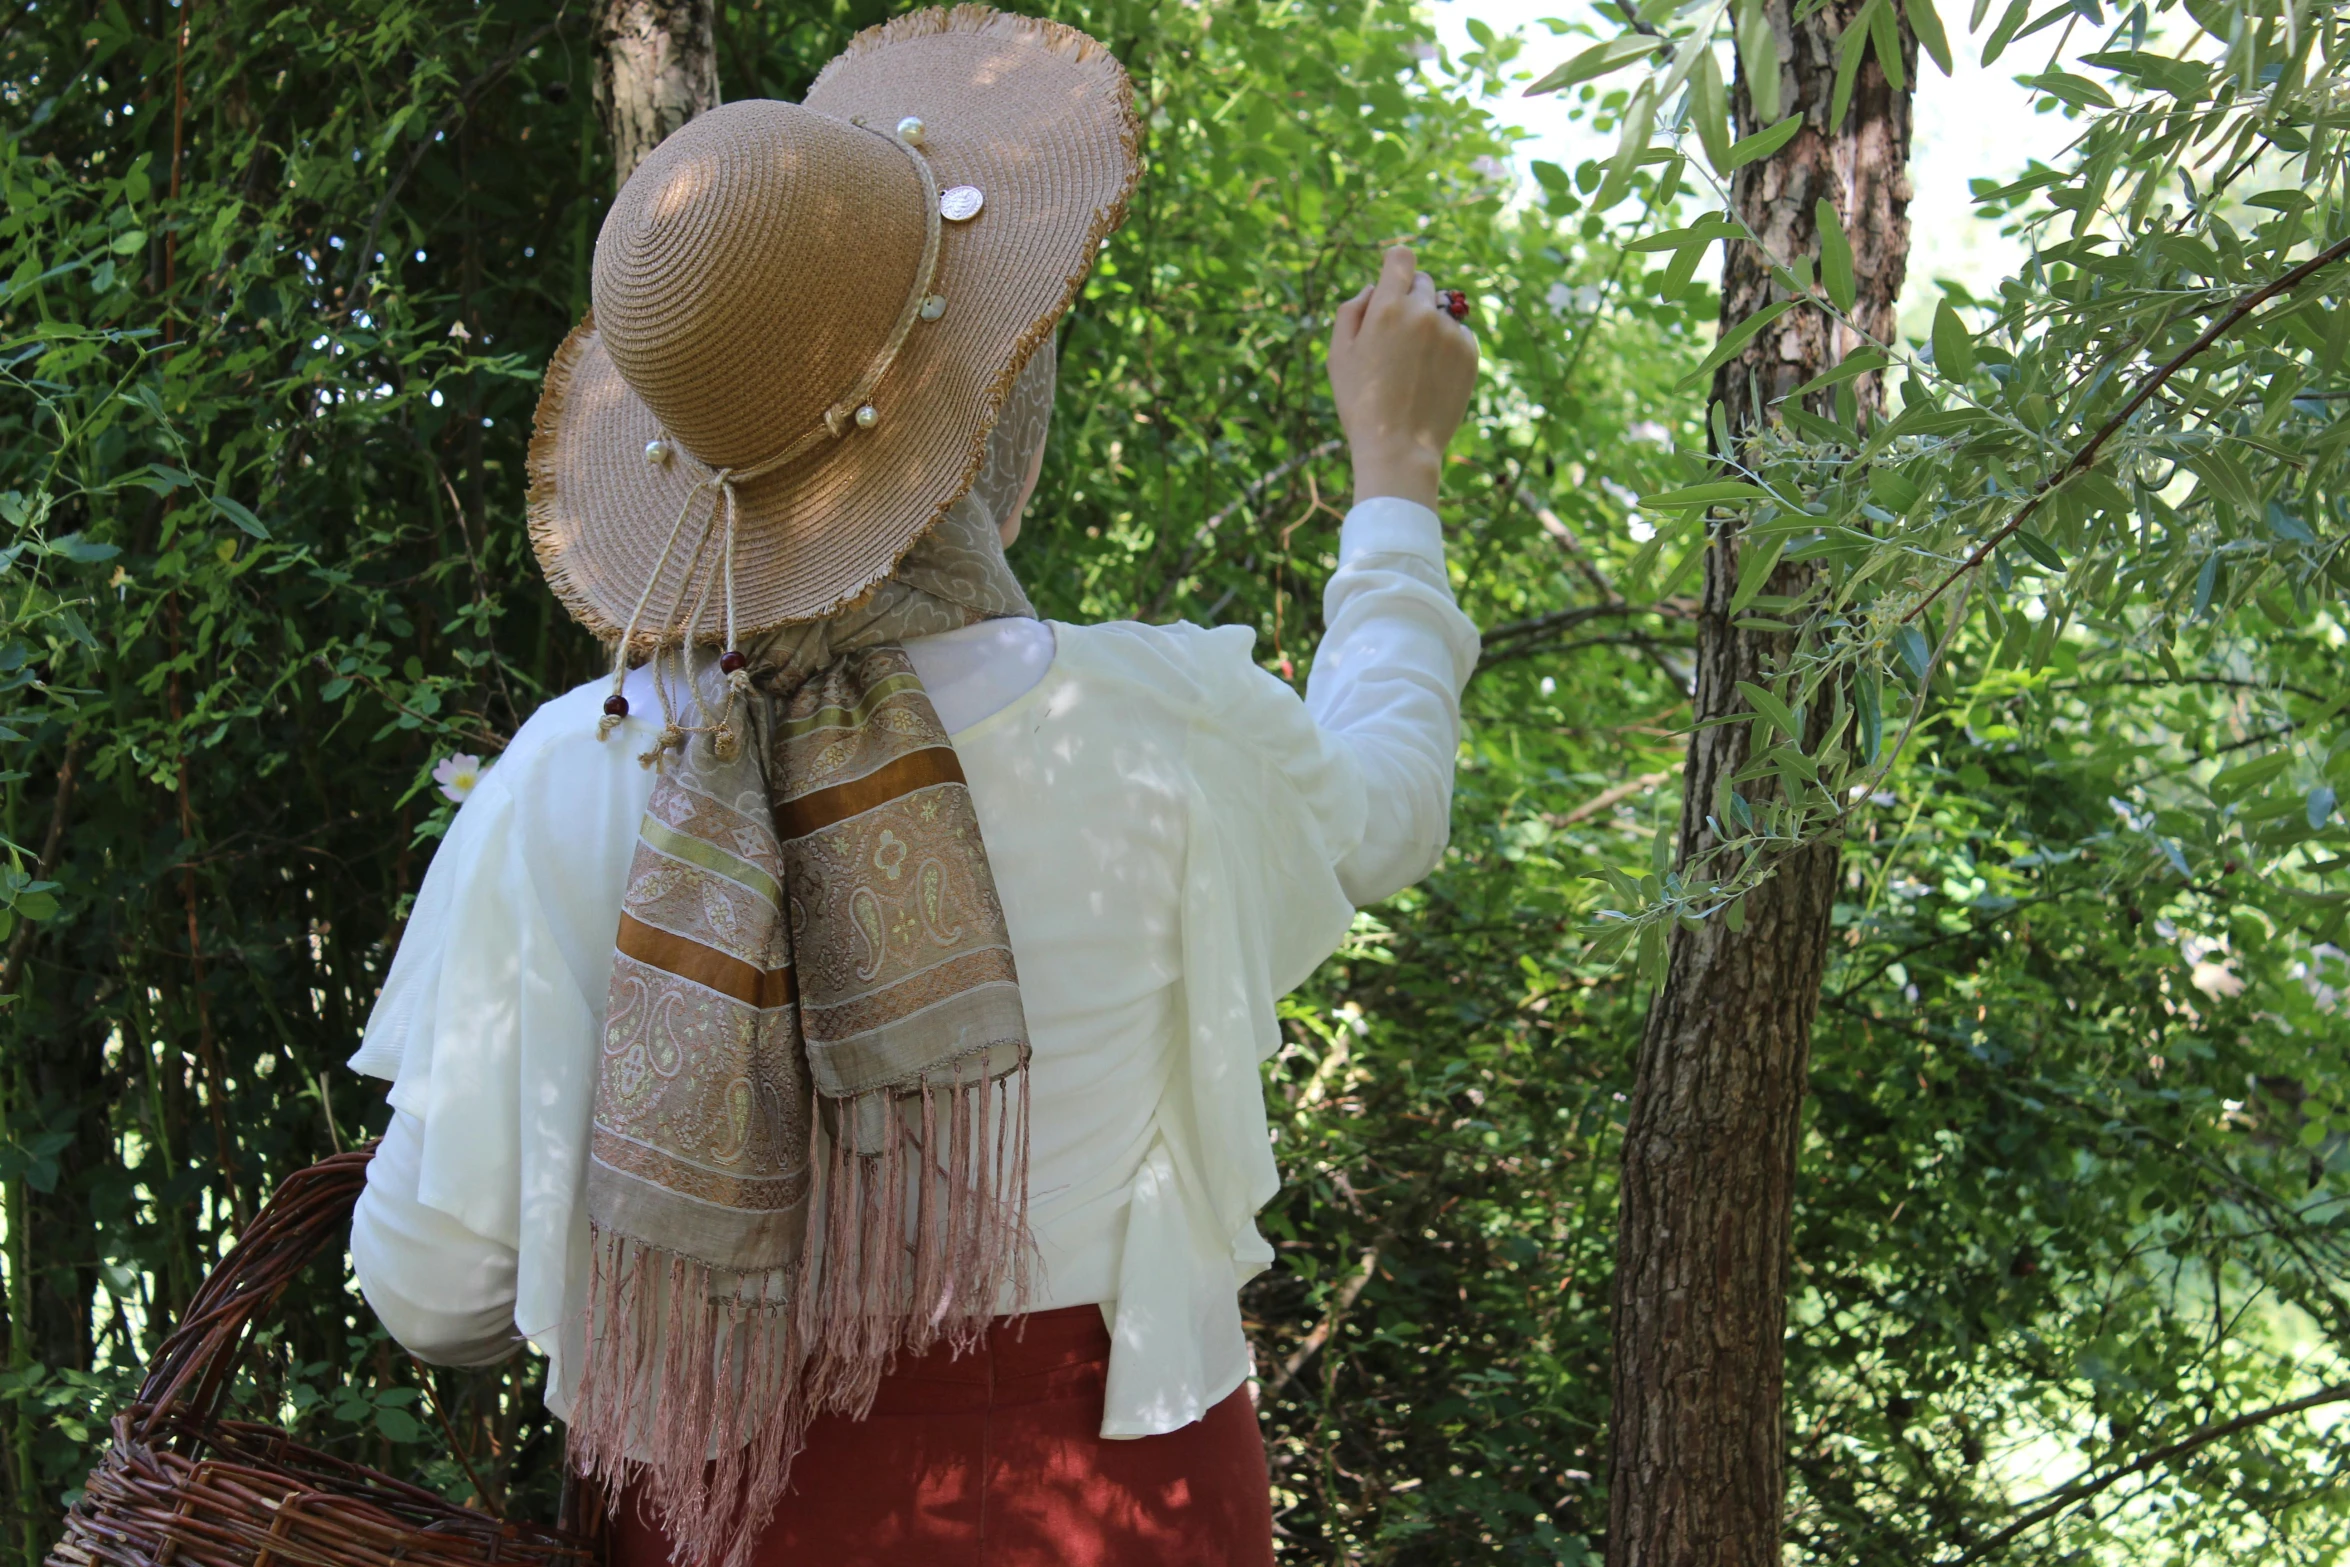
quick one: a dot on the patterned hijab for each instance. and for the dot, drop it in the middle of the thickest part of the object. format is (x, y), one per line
(810, 1143)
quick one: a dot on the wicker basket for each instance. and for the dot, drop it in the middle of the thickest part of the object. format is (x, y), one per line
(181, 1485)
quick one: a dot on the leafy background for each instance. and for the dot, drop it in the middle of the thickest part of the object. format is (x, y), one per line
(279, 282)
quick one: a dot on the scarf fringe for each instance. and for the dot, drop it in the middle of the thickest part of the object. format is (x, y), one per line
(904, 1271)
(716, 1375)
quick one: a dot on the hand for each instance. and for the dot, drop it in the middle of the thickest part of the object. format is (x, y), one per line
(1401, 369)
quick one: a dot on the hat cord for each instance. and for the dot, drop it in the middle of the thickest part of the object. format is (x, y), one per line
(850, 412)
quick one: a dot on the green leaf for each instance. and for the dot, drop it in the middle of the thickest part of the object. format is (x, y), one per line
(1631, 142)
(1596, 61)
(236, 512)
(2318, 808)
(1711, 105)
(1735, 339)
(129, 242)
(1928, 26)
(1719, 492)
(1780, 715)
(76, 548)
(2039, 549)
(1954, 347)
(2065, 87)
(398, 1425)
(1696, 236)
(1885, 36)
(1835, 256)
(1868, 699)
(2014, 17)
(1758, 53)
(2233, 783)
(1754, 569)
(1857, 363)
(1911, 644)
(1763, 142)
(1851, 49)
(1894, 490)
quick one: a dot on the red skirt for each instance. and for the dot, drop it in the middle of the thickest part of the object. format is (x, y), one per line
(996, 1460)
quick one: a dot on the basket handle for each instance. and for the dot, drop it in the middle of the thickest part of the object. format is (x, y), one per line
(196, 1363)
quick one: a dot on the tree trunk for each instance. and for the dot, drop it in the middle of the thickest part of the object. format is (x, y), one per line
(1698, 1464)
(657, 67)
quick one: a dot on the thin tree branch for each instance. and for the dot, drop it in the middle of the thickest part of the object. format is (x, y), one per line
(361, 287)
(2086, 457)
(1207, 530)
(19, 943)
(2069, 1496)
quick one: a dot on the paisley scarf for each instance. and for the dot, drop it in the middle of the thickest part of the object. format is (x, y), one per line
(810, 1140)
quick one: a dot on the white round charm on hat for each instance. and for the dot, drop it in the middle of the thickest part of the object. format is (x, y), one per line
(960, 203)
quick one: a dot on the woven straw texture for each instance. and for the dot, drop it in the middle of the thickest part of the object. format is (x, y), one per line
(180, 1486)
(753, 266)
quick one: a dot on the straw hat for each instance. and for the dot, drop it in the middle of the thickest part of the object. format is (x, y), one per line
(764, 333)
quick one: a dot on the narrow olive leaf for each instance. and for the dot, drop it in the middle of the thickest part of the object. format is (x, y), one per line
(1639, 119)
(1928, 26)
(1885, 32)
(1870, 703)
(1859, 362)
(236, 512)
(1697, 234)
(2017, 13)
(1910, 642)
(1712, 106)
(1735, 339)
(1835, 256)
(2039, 549)
(1754, 570)
(1771, 708)
(1954, 349)
(1764, 142)
(2233, 783)
(1758, 52)
(1974, 23)
(1851, 48)
(1596, 61)
(1716, 493)
(1718, 418)
(1680, 270)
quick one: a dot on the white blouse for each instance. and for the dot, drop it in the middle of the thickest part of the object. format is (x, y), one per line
(1177, 841)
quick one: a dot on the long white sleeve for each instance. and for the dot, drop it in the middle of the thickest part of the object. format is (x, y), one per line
(1386, 685)
(445, 1293)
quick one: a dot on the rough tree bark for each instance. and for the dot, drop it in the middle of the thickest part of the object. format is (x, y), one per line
(656, 68)
(1698, 1471)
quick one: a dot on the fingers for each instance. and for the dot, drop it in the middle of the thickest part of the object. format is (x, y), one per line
(1424, 290)
(1397, 269)
(1349, 319)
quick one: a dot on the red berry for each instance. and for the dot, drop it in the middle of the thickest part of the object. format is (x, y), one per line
(1456, 304)
(616, 705)
(730, 661)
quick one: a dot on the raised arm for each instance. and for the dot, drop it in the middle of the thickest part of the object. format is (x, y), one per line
(1387, 679)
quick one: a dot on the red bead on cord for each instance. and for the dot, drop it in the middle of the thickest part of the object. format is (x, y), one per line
(616, 705)
(730, 661)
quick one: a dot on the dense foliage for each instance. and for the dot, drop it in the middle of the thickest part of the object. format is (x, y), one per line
(278, 283)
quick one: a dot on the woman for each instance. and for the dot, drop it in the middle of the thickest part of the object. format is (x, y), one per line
(883, 1188)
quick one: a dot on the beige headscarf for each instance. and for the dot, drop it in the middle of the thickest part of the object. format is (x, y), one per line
(811, 935)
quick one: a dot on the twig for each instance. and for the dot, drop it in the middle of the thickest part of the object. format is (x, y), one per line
(2069, 1496)
(23, 939)
(456, 1448)
(360, 288)
(1248, 497)
(1609, 796)
(2086, 457)
(1348, 1293)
